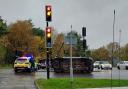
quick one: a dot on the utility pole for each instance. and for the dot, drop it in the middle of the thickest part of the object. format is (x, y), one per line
(113, 46)
(119, 52)
(71, 67)
(47, 61)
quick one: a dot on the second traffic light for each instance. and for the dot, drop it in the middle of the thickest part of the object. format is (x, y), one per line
(48, 10)
(84, 31)
(48, 35)
(84, 44)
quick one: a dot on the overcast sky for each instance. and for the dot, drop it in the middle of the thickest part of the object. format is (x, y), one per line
(95, 15)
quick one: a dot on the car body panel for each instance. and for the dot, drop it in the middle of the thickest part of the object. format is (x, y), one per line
(96, 64)
(102, 65)
(122, 65)
(22, 63)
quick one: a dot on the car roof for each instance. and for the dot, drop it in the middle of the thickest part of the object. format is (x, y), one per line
(23, 58)
(123, 61)
(104, 61)
(97, 61)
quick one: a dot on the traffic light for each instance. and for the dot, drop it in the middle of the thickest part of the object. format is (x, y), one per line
(48, 13)
(84, 44)
(84, 31)
(48, 34)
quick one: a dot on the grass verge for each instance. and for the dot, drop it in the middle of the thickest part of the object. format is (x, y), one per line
(64, 83)
(6, 66)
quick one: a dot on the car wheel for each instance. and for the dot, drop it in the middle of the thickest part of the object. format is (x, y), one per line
(118, 67)
(35, 69)
(126, 67)
(102, 68)
(58, 70)
(38, 67)
(89, 71)
(16, 70)
(29, 70)
(98, 67)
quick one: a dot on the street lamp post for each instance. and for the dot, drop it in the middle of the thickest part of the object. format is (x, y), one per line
(113, 45)
(119, 53)
(71, 67)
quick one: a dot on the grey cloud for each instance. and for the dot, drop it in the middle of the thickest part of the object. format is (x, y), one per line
(96, 15)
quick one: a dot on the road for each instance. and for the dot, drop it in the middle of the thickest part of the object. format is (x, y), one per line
(101, 74)
(10, 80)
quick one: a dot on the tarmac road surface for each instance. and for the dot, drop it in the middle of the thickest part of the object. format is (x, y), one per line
(24, 80)
(10, 80)
(98, 74)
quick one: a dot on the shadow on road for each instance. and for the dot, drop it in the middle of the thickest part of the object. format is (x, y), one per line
(22, 73)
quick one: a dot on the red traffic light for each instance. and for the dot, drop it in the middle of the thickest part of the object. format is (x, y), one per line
(48, 35)
(48, 32)
(48, 29)
(48, 8)
(48, 13)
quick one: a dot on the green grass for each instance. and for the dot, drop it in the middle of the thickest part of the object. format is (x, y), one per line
(64, 83)
(6, 66)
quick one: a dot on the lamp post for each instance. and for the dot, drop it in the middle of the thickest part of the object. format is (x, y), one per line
(71, 66)
(113, 45)
(119, 53)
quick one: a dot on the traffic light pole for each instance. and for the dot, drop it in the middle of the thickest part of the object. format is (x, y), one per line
(47, 61)
(84, 46)
(48, 10)
(84, 40)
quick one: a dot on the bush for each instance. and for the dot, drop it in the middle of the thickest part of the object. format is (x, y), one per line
(6, 56)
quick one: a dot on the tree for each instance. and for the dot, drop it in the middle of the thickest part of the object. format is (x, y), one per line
(124, 52)
(4, 41)
(2, 54)
(115, 47)
(79, 46)
(58, 46)
(38, 32)
(76, 46)
(3, 27)
(38, 47)
(20, 36)
(100, 54)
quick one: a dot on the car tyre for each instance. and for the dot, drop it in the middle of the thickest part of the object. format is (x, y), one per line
(126, 67)
(118, 68)
(58, 71)
(98, 67)
(16, 70)
(102, 68)
(29, 70)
